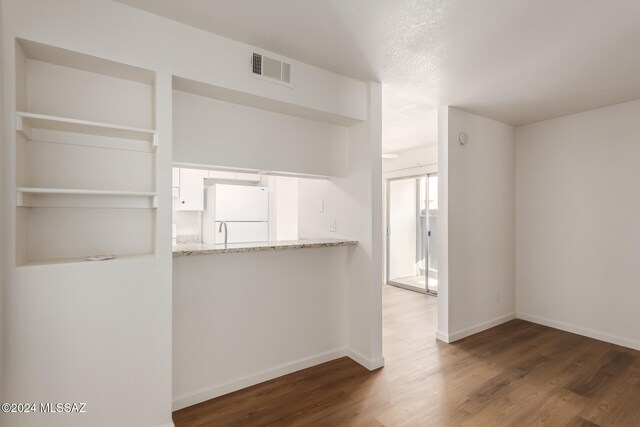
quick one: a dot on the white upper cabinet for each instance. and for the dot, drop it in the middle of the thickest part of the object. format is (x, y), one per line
(191, 189)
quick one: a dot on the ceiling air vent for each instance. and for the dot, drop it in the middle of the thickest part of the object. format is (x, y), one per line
(270, 69)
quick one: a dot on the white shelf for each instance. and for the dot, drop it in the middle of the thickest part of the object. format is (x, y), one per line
(21, 191)
(26, 121)
(118, 258)
(85, 192)
(84, 135)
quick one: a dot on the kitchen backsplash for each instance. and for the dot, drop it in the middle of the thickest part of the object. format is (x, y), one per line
(182, 239)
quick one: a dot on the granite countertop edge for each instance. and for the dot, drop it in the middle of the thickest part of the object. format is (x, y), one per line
(210, 249)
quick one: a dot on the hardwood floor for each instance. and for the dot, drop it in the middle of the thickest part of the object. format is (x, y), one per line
(517, 374)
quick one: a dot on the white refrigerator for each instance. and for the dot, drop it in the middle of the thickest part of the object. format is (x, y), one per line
(244, 209)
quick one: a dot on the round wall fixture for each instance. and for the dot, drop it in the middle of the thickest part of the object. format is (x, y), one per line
(463, 138)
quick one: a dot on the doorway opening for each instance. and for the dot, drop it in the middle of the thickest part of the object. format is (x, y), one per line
(412, 220)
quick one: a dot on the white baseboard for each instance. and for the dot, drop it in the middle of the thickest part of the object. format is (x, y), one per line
(188, 399)
(476, 328)
(575, 329)
(371, 365)
(442, 337)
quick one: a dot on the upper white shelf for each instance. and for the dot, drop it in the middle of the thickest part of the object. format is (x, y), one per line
(26, 121)
(35, 190)
(24, 196)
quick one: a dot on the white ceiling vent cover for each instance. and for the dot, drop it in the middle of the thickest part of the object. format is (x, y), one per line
(270, 69)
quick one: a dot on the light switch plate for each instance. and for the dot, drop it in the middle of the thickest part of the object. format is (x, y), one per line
(332, 225)
(321, 206)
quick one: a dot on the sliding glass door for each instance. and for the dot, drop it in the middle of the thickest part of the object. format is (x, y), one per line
(412, 207)
(432, 234)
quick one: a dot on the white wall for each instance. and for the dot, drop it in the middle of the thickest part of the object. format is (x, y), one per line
(364, 204)
(101, 333)
(478, 246)
(236, 323)
(413, 158)
(87, 331)
(286, 205)
(48, 83)
(355, 202)
(578, 234)
(187, 222)
(576, 224)
(442, 249)
(320, 202)
(189, 52)
(3, 266)
(212, 132)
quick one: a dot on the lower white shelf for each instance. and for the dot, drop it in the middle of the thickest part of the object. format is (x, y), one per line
(117, 258)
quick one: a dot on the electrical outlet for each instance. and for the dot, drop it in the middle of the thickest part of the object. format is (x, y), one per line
(332, 225)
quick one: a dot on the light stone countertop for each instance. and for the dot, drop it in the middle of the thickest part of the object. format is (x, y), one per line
(210, 248)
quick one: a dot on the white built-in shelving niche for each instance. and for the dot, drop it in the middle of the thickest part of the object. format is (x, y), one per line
(85, 156)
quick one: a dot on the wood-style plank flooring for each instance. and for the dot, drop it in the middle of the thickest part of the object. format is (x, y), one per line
(517, 374)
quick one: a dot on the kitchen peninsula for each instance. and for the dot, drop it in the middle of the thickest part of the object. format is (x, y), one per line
(255, 311)
(290, 192)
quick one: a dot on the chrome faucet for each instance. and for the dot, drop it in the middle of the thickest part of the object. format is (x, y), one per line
(225, 231)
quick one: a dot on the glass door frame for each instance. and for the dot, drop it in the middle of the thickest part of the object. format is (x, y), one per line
(428, 238)
(388, 280)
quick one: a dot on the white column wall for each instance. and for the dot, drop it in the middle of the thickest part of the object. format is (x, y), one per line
(477, 252)
(355, 203)
(3, 230)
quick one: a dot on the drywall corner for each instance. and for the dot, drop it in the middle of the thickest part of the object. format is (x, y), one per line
(361, 192)
(3, 129)
(577, 223)
(443, 223)
(370, 364)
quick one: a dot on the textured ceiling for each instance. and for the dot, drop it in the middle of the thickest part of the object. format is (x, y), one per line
(517, 61)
